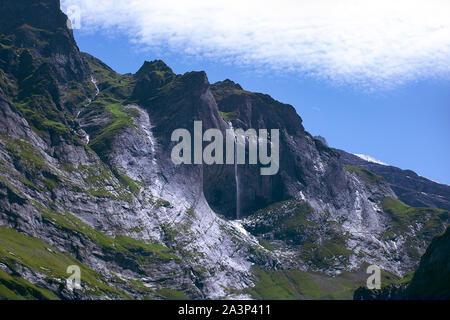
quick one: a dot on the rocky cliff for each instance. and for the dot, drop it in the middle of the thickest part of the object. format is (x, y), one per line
(431, 280)
(408, 186)
(86, 179)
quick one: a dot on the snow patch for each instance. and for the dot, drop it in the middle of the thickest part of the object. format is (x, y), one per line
(370, 159)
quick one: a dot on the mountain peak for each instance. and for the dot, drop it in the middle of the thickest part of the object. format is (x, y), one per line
(151, 66)
(227, 84)
(40, 30)
(43, 14)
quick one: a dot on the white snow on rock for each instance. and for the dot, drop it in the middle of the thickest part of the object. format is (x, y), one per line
(370, 159)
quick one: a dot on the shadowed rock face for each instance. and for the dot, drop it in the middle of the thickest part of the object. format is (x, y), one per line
(41, 28)
(43, 14)
(41, 65)
(305, 163)
(432, 277)
(86, 178)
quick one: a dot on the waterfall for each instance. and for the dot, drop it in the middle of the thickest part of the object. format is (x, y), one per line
(97, 91)
(236, 176)
(81, 131)
(96, 87)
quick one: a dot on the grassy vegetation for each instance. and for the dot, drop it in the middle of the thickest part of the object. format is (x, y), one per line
(160, 202)
(169, 233)
(406, 279)
(25, 152)
(223, 92)
(37, 255)
(4, 170)
(394, 206)
(368, 176)
(111, 83)
(25, 155)
(101, 193)
(273, 286)
(43, 116)
(299, 229)
(133, 185)
(96, 175)
(55, 126)
(404, 217)
(159, 251)
(266, 244)
(78, 93)
(50, 183)
(99, 177)
(325, 253)
(297, 284)
(228, 116)
(121, 243)
(171, 294)
(120, 119)
(293, 222)
(16, 288)
(6, 41)
(141, 288)
(298, 219)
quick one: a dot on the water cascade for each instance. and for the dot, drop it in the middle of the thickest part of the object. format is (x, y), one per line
(236, 176)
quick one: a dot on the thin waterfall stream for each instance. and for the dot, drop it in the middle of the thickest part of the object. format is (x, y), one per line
(236, 175)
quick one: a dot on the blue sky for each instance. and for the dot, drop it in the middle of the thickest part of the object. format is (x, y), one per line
(393, 107)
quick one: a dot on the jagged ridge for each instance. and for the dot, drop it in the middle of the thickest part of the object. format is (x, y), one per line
(86, 173)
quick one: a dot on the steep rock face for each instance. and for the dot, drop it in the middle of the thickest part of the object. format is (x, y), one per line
(304, 162)
(41, 69)
(182, 217)
(409, 187)
(431, 280)
(346, 202)
(432, 277)
(87, 179)
(38, 31)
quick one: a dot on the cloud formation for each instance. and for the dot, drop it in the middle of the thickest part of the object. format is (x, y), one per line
(376, 43)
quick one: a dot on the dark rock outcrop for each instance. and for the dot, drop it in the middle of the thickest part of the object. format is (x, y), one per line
(40, 28)
(432, 278)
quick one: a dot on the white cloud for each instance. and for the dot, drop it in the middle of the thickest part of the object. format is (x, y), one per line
(381, 43)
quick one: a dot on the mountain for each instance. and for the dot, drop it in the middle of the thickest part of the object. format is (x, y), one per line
(430, 281)
(87, 179)
(408, 186)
